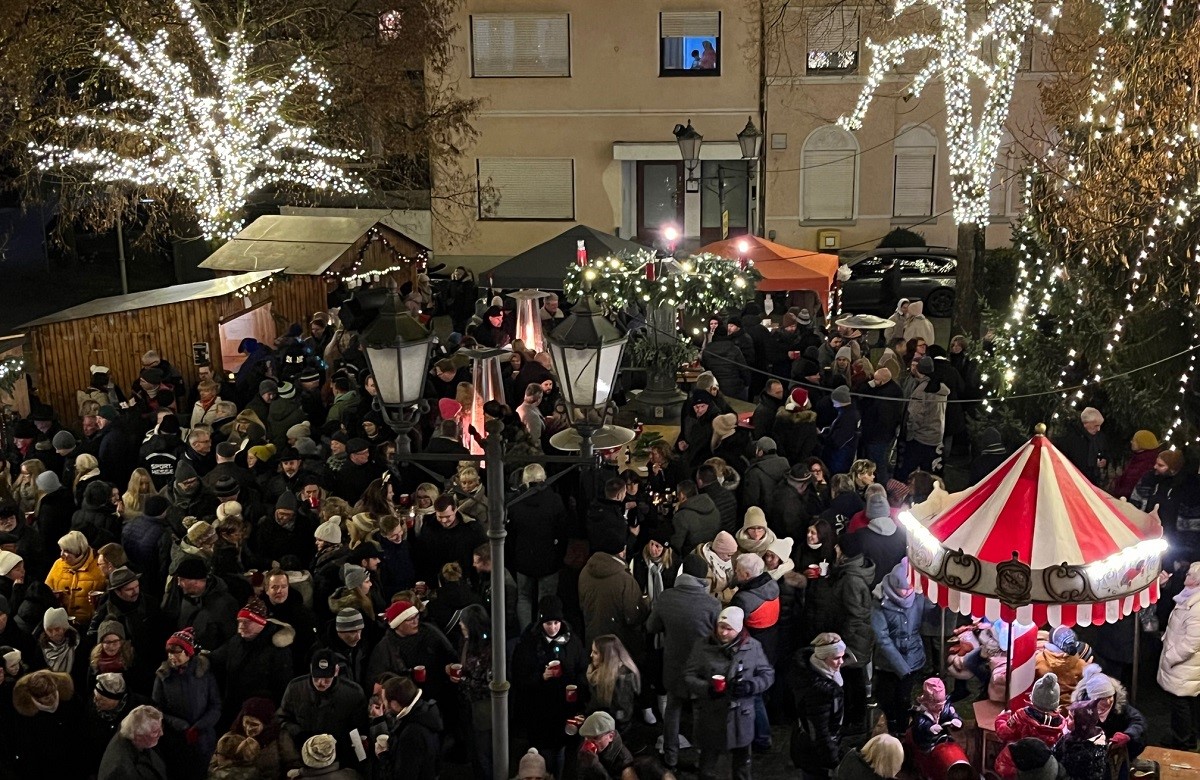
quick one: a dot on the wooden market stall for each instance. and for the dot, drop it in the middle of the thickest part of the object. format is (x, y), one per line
(316, 253)
(210, 316)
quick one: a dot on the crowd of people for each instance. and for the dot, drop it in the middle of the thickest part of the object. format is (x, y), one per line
(237, 578)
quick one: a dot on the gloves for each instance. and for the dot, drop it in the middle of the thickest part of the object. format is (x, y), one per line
(1120, 739)
(936, 728)
(742, 688)
(956, 723)
(192, 735)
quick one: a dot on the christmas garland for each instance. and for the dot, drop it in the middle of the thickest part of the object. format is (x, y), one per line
(700, 284)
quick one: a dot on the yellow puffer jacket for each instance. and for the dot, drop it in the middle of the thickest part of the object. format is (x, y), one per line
(77, 581)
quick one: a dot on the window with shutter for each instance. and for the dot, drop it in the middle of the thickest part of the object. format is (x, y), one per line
(526, 188)
(829, 175)
(520, 45)
(833, 42)
(1004, 180)
(689, 43)
(913, 171)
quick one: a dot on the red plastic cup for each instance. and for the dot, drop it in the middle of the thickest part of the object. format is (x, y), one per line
(555, 668)
(718, 683)
(418, 674)
(572, 693)
(420, 588)
(456, 672)
(813, 572)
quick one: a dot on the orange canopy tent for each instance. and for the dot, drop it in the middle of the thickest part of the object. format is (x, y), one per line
(782, 267)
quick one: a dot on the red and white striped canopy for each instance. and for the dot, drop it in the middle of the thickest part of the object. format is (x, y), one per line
(1036, 542)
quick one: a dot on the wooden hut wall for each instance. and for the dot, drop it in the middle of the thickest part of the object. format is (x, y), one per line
(61, 352)
(294, 299)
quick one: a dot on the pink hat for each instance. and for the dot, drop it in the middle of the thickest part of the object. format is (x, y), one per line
(448, 408)
(933, 693)
(724, 543)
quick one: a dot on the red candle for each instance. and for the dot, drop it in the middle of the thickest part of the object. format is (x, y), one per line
(580, 253)
(651, 273)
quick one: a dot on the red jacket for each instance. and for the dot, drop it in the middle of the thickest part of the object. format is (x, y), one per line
(1025, 722)
(1134, 470)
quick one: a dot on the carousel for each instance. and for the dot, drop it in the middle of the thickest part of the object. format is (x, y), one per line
(1034, 544)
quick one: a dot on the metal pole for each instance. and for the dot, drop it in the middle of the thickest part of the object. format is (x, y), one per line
(1137, 651)
(942, 644)
(494, 463)
(121, 258)
(1008, 670)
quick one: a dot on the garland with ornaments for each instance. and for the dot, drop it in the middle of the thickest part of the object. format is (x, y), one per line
(11, 370)
(354, 277)
(701, 284)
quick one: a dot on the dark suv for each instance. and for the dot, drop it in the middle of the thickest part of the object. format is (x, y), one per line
(926, 273)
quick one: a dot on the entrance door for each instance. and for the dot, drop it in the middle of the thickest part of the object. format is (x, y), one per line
(660, 199)
(732, 176)
(257, 323)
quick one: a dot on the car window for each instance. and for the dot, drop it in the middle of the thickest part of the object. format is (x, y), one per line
(865, 269)
(926, 266)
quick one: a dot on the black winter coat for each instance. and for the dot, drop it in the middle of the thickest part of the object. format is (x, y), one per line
(544, 701)
(727, 363)
(213, 614)
(537, 532)
(696, 522)
(305, 712)
(53, 522)
(796, 434)
(820, 703)
(882, 412)
(437, 546)
(415, 744)
(761, 478)
(257, 667)
(727, 506)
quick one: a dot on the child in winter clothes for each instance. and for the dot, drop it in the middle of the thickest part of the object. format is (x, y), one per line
(1083, 752)
(1039, 720)
(934, 716)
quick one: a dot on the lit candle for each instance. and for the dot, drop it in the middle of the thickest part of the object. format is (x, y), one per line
(580, 253)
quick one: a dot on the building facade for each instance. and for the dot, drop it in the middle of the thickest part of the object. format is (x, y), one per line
(581, 101)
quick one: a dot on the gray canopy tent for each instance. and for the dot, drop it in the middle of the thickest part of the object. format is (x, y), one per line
(543, 266)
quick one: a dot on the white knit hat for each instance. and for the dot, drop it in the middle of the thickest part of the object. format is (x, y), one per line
(330, 531)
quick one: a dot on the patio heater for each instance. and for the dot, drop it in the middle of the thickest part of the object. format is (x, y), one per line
(529, 320)
(487, 380)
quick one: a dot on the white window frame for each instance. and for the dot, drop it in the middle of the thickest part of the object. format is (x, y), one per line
(829, 33)
(519, 183)
(555, 63)
(821, 165)
(915, 150)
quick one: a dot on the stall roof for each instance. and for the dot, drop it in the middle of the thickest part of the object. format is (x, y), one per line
(195, 291)
(300, 245)
(545, 265)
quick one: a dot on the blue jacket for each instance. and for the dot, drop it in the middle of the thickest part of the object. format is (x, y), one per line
(898, 645)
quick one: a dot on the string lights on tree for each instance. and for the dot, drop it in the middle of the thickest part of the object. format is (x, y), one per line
(212, 133)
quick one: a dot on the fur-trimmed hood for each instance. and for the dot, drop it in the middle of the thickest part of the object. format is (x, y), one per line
(23, 700)
(198, 666)
(798, 416)
(283, 634)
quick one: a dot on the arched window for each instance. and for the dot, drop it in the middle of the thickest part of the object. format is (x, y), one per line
(1005, 191)
(829, 175)
(914, 166)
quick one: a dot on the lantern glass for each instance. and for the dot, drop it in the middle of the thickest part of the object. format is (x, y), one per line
(586, 350)
(397, 350)
(750, 139)
(689, 143)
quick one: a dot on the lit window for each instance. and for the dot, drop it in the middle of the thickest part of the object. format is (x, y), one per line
(833, 42)
(690, 43)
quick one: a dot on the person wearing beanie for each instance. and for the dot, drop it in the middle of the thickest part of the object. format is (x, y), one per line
(1168, 489)
(109, 703)
(346, 636)
(725, 710)
(356, 591)
(532, 766)
(899, 648)
(74, 575)
(682, 615)
(537, 540)
(1144, 448)
(758, 598)
(924, 419)
(766, 470)
(256, 661)
(1179, 663)
(1083, 752)
(729, 441)
(850, 606)
(201, 602)
(730, 367)
(934, 716)
(1032, 759)
(818, 681)
(884, 542)
(410, 641)
(879, 759)
(840, 439)
(1067, 657)
(414, 739)
(185, 690)
(718, 557)
(284, 532)
(1039, 720)
(754, 536)
(110, 444)
(161, 451)
(549, 638)
(320, 752)
(795, 429)
(1123, 725)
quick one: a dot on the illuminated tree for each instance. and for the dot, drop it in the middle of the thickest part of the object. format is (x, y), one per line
(977, 66)
(213, 135)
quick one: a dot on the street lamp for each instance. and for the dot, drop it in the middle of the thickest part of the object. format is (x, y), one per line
(750, 139)
(586, 350)
(397, 349)
(689, 146)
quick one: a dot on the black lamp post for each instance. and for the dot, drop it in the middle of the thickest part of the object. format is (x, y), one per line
(397, 348)
(586, 349)
(689, 147)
